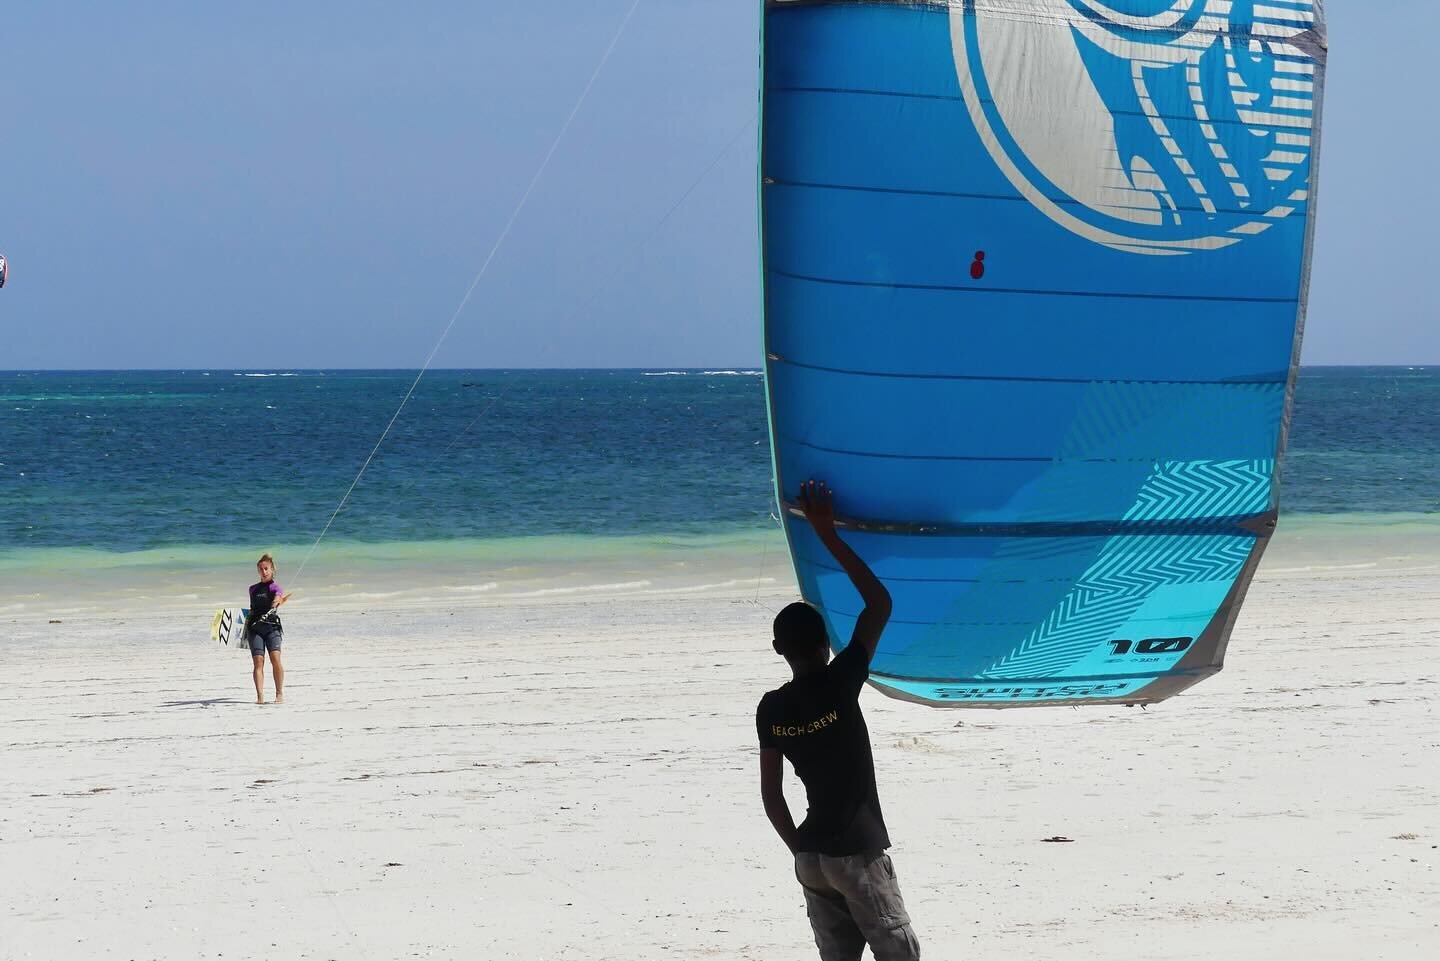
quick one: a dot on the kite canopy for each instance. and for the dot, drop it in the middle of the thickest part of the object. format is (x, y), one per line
(1034, 277)
(4, 270)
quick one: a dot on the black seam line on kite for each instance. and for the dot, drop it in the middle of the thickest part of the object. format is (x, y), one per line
(992, 582)
(934, 457)
(980, 289)
(1024, 380)
(941, 624)
(1029, 625)
(978, 459)
(889, 578)
(1237, 525)
(960, 195)
(1041, 682)
(951, 98)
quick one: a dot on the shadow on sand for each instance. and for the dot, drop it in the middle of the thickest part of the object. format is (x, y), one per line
(208, 702)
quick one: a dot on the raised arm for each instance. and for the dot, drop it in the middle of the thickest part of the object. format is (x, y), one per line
(818, 502)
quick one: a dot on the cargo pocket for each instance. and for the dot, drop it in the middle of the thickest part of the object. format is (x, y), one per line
(885, 890)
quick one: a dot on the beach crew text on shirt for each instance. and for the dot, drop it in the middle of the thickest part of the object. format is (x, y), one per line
(794, 730)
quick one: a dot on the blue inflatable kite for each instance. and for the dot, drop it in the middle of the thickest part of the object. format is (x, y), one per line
(1034, 278)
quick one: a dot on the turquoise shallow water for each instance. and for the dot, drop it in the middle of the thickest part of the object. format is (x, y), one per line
(126, 468)
(49, 582)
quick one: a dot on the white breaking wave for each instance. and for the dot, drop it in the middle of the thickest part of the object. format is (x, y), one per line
(718, 586)
(1312, 568)
(582, 589)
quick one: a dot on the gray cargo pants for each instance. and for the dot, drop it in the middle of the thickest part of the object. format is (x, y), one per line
(855, 900)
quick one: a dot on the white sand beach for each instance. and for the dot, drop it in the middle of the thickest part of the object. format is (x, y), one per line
(574, 776)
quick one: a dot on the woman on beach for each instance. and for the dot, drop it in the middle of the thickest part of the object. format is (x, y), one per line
(264, 629)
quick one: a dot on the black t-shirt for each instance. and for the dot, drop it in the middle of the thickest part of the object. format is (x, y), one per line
(262, 598)
(815, 721)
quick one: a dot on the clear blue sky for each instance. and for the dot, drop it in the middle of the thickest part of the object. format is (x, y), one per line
(315, 184)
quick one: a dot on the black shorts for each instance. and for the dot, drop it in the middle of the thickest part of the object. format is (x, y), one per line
(260, 643)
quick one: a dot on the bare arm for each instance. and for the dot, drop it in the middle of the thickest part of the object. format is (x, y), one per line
(772, 767)
(818, 502)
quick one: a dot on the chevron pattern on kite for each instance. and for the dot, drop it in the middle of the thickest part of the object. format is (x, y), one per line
(1193, 490)
(1130, 567)
(1109, 586)
(1139, 563)
(1083, 619)
(1113, 589)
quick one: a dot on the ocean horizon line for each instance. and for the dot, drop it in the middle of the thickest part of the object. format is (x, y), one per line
(716, 368)
(706, 368)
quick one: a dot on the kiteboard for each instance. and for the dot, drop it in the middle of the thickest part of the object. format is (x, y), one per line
(228, 627)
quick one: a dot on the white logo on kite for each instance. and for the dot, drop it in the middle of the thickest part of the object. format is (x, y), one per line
(1153, 126)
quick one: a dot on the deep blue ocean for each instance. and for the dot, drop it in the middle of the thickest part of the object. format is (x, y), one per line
(124, 461)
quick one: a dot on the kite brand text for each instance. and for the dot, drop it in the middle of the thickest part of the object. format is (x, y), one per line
(1030, 693)
(794, 730)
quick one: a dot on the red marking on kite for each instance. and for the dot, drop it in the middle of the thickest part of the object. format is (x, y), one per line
(977, 268)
